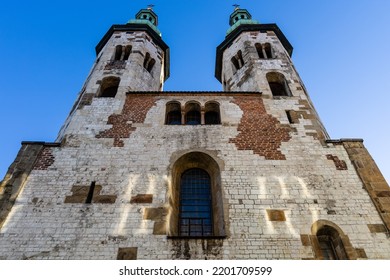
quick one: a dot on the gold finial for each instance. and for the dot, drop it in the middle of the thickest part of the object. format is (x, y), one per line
(236, 7)
(150, 7)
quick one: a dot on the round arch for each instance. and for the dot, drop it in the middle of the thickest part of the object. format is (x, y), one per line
(203, 161)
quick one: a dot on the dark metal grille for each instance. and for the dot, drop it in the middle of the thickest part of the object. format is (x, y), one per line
(195, 203)
(327, 247)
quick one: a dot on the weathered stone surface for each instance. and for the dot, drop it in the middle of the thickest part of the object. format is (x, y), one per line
(276, 215)
(142, 198)
(372, 179)
(377, 228)
(127, 253)
(259, 162)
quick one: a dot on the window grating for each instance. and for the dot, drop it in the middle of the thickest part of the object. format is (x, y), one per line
(195, 204)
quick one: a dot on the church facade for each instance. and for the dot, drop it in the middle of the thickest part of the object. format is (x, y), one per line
(245, 173)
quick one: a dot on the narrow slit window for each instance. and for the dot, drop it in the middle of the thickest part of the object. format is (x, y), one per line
(149, 62)
(127, 52)
(118, 52)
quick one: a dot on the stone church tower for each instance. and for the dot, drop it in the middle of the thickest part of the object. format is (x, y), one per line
(245, 173)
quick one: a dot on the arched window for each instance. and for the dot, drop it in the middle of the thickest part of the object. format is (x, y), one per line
(192, 116)
(127, 52)
(118, 52)
(195, 196)
(173, 115)
(268, 50)
(264, 51)
(109, 87)
(149, 62)
(195, 203)
(330, 243)
(278, 84)
(212, 114)
(237, 60)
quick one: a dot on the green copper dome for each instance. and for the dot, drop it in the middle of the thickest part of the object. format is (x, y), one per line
(238, 17)
(146, 16)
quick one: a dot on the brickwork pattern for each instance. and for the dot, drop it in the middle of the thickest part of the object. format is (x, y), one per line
(134, 111)
(259, 131)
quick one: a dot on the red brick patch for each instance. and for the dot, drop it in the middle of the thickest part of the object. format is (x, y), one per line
(44, 160)
(259, 131)
(134, 111)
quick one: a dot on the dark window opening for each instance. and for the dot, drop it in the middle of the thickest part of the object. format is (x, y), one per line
(212, 113)
(277, 89)
(237, 60)
(109, 87)
(174, 118)
(195, 217)
(326, 246)
(173, 113)
(110, 91)
(193, 117)
(122, 53)
(264, 51)
(278, 84)
(118, 52)
(330, 244)
(235, 63)
(259, 49)
(127, 52)
(268, 50)
(212, 118)
(149, 62)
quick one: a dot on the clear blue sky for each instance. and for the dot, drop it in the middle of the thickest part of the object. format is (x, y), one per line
(341, 51)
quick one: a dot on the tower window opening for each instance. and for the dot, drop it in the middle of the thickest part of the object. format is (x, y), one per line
(268, 50)
(109, 87)
(127, 52)
(264, 51)
(278, 84)
(149, 62)
(122, 53)
(118, 52)
(237, 60)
